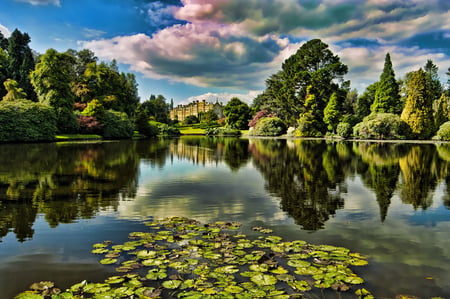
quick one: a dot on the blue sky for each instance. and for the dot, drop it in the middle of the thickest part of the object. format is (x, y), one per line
(216, 49)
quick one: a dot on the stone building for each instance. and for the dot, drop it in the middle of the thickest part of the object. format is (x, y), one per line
(182, 111)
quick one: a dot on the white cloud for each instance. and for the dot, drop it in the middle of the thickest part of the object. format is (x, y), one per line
(42, 2)
(224, 98)
(5, 31)
(92, 33)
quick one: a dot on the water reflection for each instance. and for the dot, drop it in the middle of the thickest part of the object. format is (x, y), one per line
(66, 182)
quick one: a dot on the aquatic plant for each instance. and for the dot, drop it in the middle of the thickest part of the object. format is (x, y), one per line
(180, 257)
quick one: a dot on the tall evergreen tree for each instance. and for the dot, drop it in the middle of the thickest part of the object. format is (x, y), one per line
(387, 95)
(331, 113)
(433, 81)
(418, 112)
(3, 42)
(4, 74)
(21, 61)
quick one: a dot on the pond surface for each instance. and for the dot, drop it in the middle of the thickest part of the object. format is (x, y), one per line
(385, 200)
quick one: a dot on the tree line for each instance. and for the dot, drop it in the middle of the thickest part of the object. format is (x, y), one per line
(73, 92)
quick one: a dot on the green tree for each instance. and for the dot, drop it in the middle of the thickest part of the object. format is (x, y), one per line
(52, 81)
(21, 61)
(3, 70)
(364, 102)
(387, 94)
(157, 108)
(14, 92)
(448, 81)
(332, 113)
(434, 85)
(237, 114)
(440, 111)
(3, 42)
(418, 112)
(313, 69)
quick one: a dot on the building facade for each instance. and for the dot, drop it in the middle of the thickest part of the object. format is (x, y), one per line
(182, 111)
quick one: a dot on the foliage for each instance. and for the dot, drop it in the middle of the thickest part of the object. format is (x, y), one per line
(381, 126)
(14, 92)
(418, 112)
(307, 126)
(313, 69)
(433, 82)
(331, 113)
(237, 114)
(21, 61)
(191, 119)
(269, 126)
(66, 121)
(23, 120)
(364, 102)
(186, 259)
(3, 69)
(209, 117)
(444, 132)
(117, 125)
(95, 109)
(167, 130)
(387, 94)
(143, 125)
(260, 114)
(222, 131)
(89, 125)
(441, 110)
(157, 108)
(344, 129)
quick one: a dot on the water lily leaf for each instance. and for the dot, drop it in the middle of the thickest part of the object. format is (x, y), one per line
(298, 263)
(263, 279)
(358, 262)
(108, 261)
(279, 270)
(300, 285)
(100, 250)
(259, 267)
(96, 288)
(308, 271)
(171, 284)
(155, 274)
(43, 285)
(133, 283)
(227, 269)
(249, 273)
(29, 295)
(99, 245)
(354, 280)
(285, 277)
(114, 279)
(146, 254)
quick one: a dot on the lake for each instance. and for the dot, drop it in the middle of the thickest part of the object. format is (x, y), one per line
(388, 201)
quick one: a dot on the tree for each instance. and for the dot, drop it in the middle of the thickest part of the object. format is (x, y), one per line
(21, 61)
(313, 69)
(440, 111)
(3, 71)
(3, 42)
(448, 81)
(237, 114)
(418, 112)
(433, 82)
(157, 108)
(52, 79)
(331, 113)
(14, 92)
(387, 94)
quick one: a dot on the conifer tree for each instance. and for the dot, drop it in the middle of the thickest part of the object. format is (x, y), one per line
(387, 95)
(440, 111)
(331, 113)
(418, 112)
(433, 82)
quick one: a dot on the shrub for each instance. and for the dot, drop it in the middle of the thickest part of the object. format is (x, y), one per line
(344, 130)
(66, 121)
(260, 114)
(269, 126)
(444, 132)
(117, 125)
(23, 120)
(191, 119)
(307, 127)
(89, 125)
(381, 126)
(222, 131)
(166, 130)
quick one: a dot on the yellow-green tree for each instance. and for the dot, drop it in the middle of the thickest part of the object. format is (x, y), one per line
(14, 92)
(418, 112)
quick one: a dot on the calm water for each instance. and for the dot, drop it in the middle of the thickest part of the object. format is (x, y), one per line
(388, 201)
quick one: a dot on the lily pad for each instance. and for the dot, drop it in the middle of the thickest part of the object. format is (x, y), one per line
(264, 280)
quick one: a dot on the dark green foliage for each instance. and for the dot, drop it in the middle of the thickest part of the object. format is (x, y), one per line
(167, 130)
(208, 117)
(117, 125)
(157, 108)
(433, 82)
(312, 67)
(440, 110)
(364, 102)
(23, 120)
(444, 132)
(21, 61)
(142, 123)
(344, 130)
(269, 126)
(387, 95)
(381, 126)
(190, 120)
(3, 71)
(237, 114)
(66, 121)
(418, 112)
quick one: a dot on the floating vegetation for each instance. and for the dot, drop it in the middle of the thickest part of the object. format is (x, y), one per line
(180, 257)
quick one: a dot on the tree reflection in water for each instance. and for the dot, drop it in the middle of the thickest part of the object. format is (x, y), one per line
(66, 182)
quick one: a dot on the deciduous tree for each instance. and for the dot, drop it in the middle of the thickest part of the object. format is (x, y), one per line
(237, 114)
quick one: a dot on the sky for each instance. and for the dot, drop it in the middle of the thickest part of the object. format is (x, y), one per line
(217, 49)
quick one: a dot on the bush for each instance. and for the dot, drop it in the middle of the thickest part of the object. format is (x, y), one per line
(89, 125)
(23, 120)
(166, 130)
(269, 126)
(221, 131)
(344, 130)
(117, 125)
(307, 127)
(191, 119)
(381, 126)
(444, 132)
(66, 121)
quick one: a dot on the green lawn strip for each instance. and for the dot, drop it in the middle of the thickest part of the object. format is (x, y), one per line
(65, 137)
